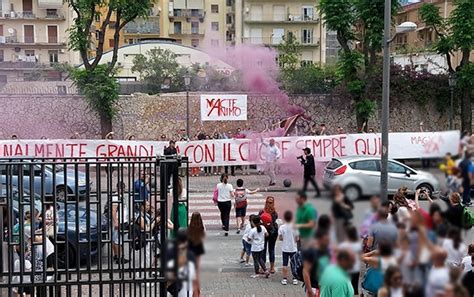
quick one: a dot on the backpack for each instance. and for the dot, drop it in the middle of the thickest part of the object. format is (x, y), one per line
(467, 218)
(215, 195)
(240, 198)
(296, 263)
(373, 279)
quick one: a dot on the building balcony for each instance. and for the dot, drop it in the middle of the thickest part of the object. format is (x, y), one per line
(43, 14)
(143, 27)
(197, 31)
(281, 18)
(30, 41)
(275, 41)
(188, 14)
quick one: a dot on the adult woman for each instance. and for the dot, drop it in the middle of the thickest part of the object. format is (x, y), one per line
(269, 217)
(341, 211)
(196, 234)
(393, 285)
(455, 210)
(225, 193)
(381, 258)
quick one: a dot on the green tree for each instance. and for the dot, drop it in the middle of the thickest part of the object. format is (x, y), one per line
(456, 35)
(80, 37)
(159, 67)
(357, 65)
(289, 53)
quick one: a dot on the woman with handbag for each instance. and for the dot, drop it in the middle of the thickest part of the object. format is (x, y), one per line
(269, 217)
(342, 212)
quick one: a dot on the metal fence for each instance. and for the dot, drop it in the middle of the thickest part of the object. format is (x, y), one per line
(90, 227)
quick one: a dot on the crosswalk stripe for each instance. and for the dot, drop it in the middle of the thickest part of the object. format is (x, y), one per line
(209, 201)
(210, 195)
(218, 214)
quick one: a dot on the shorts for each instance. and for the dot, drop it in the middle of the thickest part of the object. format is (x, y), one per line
(116, 236)
(247, 246)
(241, 212)
(286, 257)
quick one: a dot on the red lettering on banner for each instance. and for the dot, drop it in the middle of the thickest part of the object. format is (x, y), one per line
(247, 149)
(98, 149)
(368, 147)
(39, 150)
(224, 107)
(342, 146)
(284, 147)
(198, 152)
(210, 153)
(131, 151)
(7, 150)
(191, 159)
(82, 150)
(18, 150)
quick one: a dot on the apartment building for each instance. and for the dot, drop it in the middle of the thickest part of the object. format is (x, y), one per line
(33, 36)
(266, 22)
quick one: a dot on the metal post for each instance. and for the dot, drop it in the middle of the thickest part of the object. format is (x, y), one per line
(451, 109)
(187, 114)
(385, 101)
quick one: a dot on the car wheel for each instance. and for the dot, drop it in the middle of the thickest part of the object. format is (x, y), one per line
(61, 194)
(352, 192)
(427, 186)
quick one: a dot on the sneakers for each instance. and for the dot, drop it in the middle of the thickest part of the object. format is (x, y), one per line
(254, 276)
(295, 281)
(267, 273)
(226, 234)
(247, 264)
(284, 282)
(238, 231)
(120, 260)
(241, 261)
(271, 184)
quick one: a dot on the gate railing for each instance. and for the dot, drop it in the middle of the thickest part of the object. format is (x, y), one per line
(89, 227)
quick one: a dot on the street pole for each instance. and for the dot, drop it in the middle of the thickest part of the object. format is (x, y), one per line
(187, 114)
(385, 101)
(451, 109)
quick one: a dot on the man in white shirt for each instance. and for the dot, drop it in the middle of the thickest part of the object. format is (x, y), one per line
(272, 156)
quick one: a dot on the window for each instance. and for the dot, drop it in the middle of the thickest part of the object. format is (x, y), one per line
(215, 26)
(194, 28)
(396, 168)
(29, 32)
(307, 36)
(308, 13)
(196, 13)
(214, 8)
(228, 19)
(2, 58)
(368, 165)
(194, 42)
(52, 34)
(97, 17)
(279, 13)
(130, 41)
(215, 42)
(29, 53)
(177, 27)
(111, 42)
(97, 34)
(53, 56)
(230, 2)
(1, 30)
(52, 13)
(111, 25)
(305, 63)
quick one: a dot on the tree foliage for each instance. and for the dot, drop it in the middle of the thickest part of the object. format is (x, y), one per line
(309, 79)
(456, 35)
(357, 64)
(289, 52)
(115, 14)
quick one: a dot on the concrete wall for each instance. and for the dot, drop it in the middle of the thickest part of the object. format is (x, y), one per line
(147, 117)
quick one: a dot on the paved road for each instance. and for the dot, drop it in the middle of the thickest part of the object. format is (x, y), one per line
(222, 275)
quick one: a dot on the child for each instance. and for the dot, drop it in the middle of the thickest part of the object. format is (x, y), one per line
(288, 235)
(246, 243)
(257, 238)
(240, 195)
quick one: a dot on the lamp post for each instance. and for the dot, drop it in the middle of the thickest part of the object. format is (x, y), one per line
(402, 28)
(452, 84)
(187, 82)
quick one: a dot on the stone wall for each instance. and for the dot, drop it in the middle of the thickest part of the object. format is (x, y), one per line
(147, 117)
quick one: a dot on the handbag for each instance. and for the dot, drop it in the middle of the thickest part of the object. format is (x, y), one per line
(215, 195)
(373, 279)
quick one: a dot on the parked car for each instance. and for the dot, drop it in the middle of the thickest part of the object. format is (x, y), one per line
(68, 238)
(64, 181)
(360, 176)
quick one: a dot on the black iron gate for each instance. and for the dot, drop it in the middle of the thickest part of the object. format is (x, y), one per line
(90, 227)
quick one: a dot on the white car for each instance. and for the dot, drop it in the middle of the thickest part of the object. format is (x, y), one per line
(360, 176)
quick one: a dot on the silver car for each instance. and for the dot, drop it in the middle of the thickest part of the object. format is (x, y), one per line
(360, 176)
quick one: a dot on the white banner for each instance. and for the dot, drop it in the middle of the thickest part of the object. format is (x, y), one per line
(220, 107)
(244, 151)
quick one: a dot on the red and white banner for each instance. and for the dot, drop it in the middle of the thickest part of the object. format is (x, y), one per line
(219, 107)
(244, 151)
